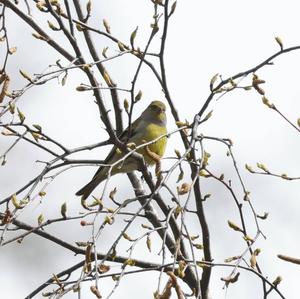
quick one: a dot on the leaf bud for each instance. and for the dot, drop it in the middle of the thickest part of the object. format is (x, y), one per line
(106, 25)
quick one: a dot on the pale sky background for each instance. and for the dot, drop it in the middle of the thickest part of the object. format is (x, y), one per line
(205, 37)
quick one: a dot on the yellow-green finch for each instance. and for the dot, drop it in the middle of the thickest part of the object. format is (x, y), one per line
(149, 126)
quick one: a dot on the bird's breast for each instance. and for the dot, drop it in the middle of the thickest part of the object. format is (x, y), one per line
(152, 132)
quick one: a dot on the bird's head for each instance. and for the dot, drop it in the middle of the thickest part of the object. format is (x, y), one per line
(156, 112)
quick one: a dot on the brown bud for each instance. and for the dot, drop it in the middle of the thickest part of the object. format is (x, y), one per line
(103, 268)
(95, 291)
(63, 210)
(231, 279)
(40, 37)
(234, 226)
(12, 50)
(121, 46)
(138, 96)
(126, 105)
(148, 242)
(173, 7)
(183, 189)
(89, 7)
(289, 259)
(279, 42)
(277, 281)
(132, 37)
(83, 223)
(106, 25)
(104, 52)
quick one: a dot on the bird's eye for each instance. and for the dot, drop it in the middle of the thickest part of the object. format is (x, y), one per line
(157, 109)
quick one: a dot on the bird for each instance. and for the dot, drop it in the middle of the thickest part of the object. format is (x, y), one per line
(150, 125)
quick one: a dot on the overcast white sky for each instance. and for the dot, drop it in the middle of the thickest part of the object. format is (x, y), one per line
(205, 37)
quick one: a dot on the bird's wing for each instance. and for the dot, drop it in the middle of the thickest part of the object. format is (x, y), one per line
(123, 137)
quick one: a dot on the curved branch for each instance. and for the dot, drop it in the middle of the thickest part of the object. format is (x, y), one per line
(243, 74)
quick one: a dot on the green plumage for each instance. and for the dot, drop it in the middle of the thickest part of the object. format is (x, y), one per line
(149, 126)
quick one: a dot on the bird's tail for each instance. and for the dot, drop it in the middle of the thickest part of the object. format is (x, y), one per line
(86, 190)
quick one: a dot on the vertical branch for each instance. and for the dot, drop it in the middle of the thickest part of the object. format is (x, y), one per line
(69, 17)
(198, 199)
(205, 238)
(204, 283)
(3, 28)
(67, 33)
(190, 277)
(163, 70)
(135, 77)
(103, 71)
